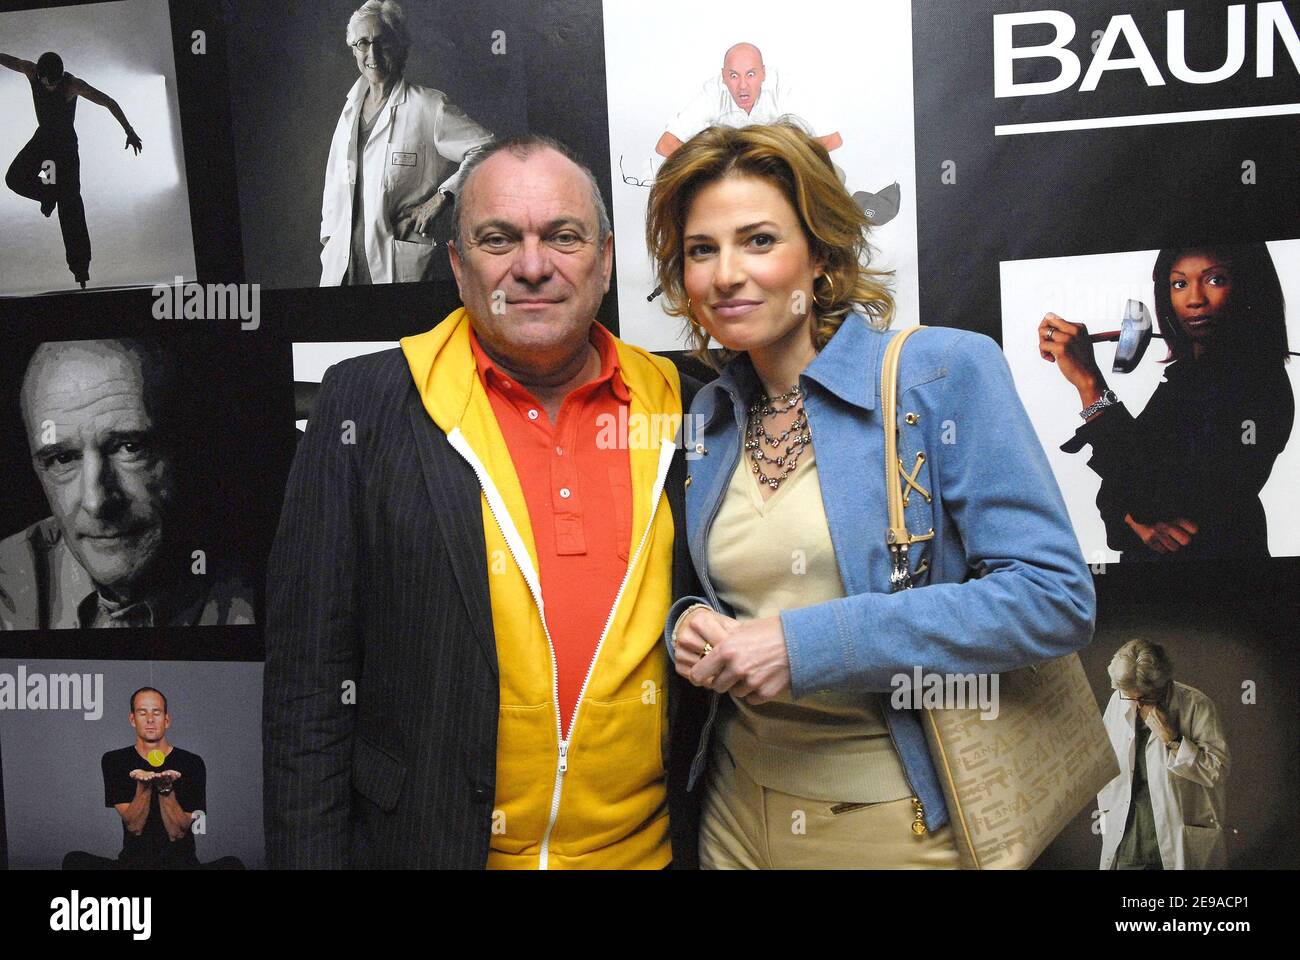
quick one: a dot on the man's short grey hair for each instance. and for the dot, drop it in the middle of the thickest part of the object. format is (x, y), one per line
(522, 147)
(391, 15)
(1142, 667)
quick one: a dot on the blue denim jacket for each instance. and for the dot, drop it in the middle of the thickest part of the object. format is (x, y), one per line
(1006, 584)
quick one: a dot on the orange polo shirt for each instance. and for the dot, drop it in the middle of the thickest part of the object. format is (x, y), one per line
(579, 503)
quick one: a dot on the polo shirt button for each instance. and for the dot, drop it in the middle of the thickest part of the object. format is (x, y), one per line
(532, 414)
(565, 493)
(559, 451)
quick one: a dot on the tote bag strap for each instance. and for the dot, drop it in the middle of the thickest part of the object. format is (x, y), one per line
(897, 536)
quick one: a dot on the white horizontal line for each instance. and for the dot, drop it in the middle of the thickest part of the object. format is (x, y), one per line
(1145, 119)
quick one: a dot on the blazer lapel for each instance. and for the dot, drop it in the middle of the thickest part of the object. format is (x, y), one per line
(455, 499)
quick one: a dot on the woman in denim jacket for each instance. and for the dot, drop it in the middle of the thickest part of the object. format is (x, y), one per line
(818, 758)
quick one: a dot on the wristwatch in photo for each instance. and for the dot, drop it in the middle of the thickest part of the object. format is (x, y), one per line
(1107, 399)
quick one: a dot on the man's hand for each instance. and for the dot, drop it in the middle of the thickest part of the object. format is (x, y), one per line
(696, 628)
(165, 780)
(668, 144)
(1164, 536)
(144, 776)
(1158, 722)
(133, 140)
(750, 663)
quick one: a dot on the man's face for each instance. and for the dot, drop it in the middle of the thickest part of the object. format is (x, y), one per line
(149, 717)
(98, 453)
(531, 270)
(743, 74)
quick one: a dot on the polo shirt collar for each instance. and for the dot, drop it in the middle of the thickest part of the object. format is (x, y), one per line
(611, 370)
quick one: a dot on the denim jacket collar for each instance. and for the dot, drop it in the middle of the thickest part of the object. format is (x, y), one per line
(838, 369)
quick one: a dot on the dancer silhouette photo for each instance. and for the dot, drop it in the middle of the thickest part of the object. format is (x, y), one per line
(48, 168)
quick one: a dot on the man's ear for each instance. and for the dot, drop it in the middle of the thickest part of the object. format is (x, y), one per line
(608, 254)
(453, 253)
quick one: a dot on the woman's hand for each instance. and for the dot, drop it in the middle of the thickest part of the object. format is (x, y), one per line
(695, 628)
(1164, 536)
(750, 663)
(1067, 345)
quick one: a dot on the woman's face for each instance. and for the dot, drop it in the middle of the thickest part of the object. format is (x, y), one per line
(748, 269)
(1200, 289)
(377, 50)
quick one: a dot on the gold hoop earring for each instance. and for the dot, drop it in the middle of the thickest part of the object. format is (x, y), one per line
(831, 300)
(696, 327)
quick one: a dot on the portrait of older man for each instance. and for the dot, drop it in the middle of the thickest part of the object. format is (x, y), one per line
(108, 432)
(741, 94)
(464, 654)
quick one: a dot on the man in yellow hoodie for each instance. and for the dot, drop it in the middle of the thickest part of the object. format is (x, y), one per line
(481, 537)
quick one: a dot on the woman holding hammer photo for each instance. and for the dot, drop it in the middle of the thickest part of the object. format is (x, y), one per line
(1182, 478)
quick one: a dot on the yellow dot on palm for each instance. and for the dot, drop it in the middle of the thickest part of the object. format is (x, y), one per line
(156, 758)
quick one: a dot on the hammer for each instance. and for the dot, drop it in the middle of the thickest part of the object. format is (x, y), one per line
(1134, 336)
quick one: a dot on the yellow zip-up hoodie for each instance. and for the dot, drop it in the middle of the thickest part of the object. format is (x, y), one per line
(593, 796)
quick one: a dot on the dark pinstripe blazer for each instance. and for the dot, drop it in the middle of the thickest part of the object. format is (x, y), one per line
(381, 687)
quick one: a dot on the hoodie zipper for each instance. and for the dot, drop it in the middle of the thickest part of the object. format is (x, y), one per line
(509, 532)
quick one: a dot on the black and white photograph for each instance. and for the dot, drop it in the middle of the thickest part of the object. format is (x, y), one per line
(1182, 361)
(135, 485)
(95, 191)
(762, 64)
(351, 121)
(156, 765)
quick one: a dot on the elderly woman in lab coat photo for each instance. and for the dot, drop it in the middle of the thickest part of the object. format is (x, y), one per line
(393, 163)
(1165, 810)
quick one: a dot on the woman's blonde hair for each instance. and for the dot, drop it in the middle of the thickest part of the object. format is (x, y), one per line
(796, 164)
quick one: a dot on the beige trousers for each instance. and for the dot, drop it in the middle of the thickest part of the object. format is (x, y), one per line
(746, 826)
